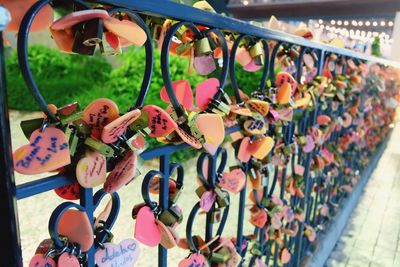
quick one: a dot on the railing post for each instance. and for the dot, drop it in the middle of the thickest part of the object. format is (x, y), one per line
(9, 230)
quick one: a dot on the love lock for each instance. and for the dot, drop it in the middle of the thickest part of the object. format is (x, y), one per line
(202, 47)
(256, 53)
(222, 197)
(171, 216)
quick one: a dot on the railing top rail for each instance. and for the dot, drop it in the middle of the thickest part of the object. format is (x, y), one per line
(188, 13)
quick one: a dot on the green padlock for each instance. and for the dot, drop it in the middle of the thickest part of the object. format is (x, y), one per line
(82, 128)
(202, 47)
(29, 126)
(220, 256)
(171, 216)
(183, 48)
(256, 53)
(72, 138)
(71, 118)
(100, 147)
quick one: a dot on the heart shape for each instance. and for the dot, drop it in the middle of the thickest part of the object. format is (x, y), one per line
(167, 238)
(206, 91)
(259, 106)
(112, 131)
(207, 200)
(255, 127)
(243, 153)
(46, 151)
(98, 114)
(286, 114)
(241, 111)
(183, 93)
(188, 138)
(259, 218)
(126, 29)
(309, 146)
(159, 121)
(204, 65)
(285, 256)
(66, 259)
(64, 39)
(302, 102)
(233, 181)
(323, 120)
(79, 16)
(124, 254)
(146, 229)
(260, 148)
(69, 192)
(75, 225)
(284, 93)
(251, 67)
(212, 128)
(123, 172)
(243, 56)
(39, 260)
(91, 170)
(285, 77)
(195, 259)
(308, 60)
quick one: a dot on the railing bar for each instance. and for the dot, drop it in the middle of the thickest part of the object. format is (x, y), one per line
(188, 13)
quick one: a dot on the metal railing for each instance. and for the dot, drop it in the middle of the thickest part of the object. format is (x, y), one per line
(267, 250)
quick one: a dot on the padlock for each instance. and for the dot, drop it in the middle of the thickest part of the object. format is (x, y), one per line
(171, 216)
(255, 250)
(71, 118)
(174, 196)
(220, 256)
(73, 139)
(93, 33)
(140, 123)
(78, 46)
(201, 190)
(222, 197)
(215, 216)
(219, 107)
(82, 128)
(104, 149)
(29, 126)
(183, 48)
(202, 47)
(256, 53)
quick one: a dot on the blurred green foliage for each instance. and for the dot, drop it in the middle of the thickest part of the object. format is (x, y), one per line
(63, 79)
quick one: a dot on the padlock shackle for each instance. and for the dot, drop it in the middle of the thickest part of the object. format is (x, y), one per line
(23, 59)
(55, 219)
(165, 61)
(299, 62)
(190, 223)
(221, 152)
(146, 188)
(180, 174)
(148, 45)
(274, 53)
(112, 217)
(232, 66)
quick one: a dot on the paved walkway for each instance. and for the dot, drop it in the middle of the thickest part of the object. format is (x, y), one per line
(372, 237)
